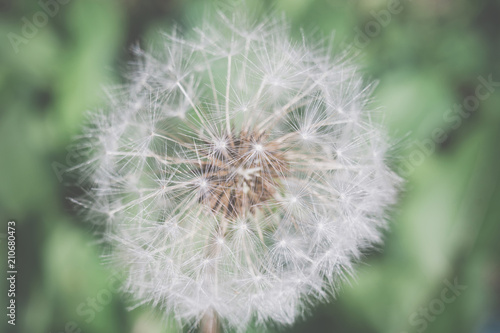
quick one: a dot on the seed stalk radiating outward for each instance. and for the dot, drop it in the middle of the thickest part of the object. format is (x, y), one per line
(235, 182)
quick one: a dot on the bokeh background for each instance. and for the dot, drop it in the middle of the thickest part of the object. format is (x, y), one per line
(433, 60)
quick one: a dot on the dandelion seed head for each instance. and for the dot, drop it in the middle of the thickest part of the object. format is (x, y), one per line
(238, 172)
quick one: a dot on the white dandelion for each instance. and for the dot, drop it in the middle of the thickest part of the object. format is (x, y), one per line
(238, 174)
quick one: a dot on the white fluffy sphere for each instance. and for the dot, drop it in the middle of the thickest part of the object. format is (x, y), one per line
(239, 173)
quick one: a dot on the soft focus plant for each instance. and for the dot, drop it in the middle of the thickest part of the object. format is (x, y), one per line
(238, 174)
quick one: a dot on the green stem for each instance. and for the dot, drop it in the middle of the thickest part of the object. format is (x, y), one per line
(210, 323)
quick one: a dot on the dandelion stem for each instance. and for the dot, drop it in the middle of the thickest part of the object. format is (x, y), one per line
(210, 322)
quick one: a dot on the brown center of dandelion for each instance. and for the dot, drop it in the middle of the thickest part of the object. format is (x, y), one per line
(240, 173)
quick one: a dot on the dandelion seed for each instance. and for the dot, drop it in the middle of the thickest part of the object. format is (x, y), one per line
(238, 174)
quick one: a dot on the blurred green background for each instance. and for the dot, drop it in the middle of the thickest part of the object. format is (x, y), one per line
(433, 59)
